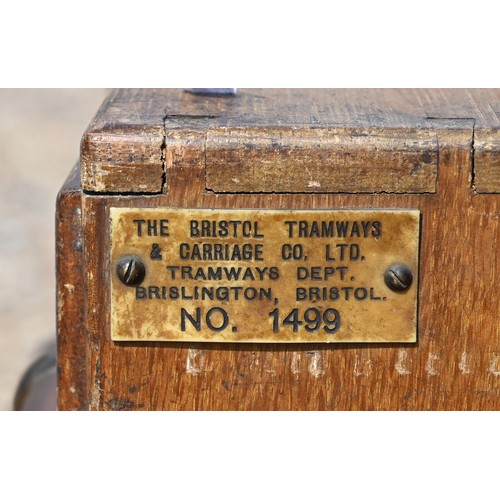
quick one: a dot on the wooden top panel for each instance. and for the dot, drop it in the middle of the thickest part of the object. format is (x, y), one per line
(123, 149)
(367, 108)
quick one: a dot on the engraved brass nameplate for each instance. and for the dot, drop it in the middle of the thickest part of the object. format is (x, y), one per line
(264, 275)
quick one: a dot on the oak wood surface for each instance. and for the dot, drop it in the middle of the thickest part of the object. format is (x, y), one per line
(319, 160)
(71, 345)
(487, 161)
(455, 365)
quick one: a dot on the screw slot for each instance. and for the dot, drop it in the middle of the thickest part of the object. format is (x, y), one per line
(398, 277)
(131, 271)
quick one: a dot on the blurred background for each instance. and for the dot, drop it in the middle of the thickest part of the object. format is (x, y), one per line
(40, 131)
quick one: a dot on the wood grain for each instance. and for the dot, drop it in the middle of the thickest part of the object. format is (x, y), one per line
(119, 154)
(481, 107)
(71, 345)
(487, 161)
(319, 160)
(455, 364)
(123, 149)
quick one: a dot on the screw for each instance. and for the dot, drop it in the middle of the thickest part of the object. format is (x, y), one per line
(131, 271)
(398, 277)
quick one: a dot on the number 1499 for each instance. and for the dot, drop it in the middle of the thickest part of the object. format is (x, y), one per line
(311, 319)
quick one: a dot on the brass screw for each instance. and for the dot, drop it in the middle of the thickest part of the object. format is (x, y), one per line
(131, 271)
(398, 277)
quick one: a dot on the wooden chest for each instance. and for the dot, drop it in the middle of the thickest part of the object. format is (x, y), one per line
(434, 153)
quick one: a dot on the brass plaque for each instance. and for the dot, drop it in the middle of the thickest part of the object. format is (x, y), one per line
(264, 275)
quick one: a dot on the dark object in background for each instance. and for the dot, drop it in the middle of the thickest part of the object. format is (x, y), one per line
(37, 390)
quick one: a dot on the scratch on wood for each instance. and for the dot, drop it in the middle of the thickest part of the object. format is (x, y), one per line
(269, 365)
(295, 364)
(495, 365)
(401, 363)
(195, 361)
(97, 386)
(430, 367)
(94, 397)
(316, 364)
(362, 366)
(60, 305)
(463, 366)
